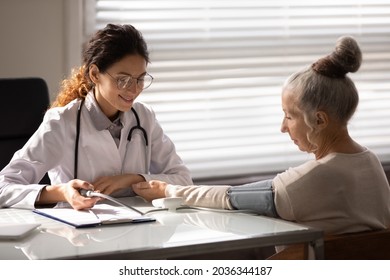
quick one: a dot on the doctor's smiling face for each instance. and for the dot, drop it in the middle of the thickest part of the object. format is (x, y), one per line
(117, 88)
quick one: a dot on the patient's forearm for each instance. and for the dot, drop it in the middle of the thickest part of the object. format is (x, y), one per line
(201, 196)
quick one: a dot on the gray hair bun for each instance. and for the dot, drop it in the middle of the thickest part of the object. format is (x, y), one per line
(346, 58)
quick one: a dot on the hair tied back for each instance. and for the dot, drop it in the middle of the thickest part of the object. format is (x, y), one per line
(346, 57)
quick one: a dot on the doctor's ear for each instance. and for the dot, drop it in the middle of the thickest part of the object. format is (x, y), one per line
(94, 73)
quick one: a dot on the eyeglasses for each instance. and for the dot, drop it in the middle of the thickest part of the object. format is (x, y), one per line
(126, 81)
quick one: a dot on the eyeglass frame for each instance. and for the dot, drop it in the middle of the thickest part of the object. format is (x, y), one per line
(131, 78)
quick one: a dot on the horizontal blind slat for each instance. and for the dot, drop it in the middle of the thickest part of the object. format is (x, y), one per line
(219, 67)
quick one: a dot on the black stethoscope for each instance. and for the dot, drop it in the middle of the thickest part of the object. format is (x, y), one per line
(137, 126)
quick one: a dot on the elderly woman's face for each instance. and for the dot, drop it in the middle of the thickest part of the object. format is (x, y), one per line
(293, 122)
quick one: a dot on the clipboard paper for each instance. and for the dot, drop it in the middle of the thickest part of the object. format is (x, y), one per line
(100, 214)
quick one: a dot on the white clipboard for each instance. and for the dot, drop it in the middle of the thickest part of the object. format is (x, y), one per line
(100, 214)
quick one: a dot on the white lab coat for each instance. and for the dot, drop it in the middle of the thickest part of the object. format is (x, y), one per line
(52, 147)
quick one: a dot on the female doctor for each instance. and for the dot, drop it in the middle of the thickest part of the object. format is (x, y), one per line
(95, 136)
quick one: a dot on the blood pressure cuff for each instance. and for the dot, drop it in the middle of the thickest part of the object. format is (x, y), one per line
(257, 197)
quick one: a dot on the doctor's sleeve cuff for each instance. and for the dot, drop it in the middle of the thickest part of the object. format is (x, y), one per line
(21, 196)
(257, 197)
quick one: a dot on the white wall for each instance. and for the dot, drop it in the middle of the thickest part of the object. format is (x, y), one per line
(33, 40)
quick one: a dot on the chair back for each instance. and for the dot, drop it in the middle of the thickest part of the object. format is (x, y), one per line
(22, 107)
(370, 245)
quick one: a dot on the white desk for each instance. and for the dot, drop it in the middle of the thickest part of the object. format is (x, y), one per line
(175, 234)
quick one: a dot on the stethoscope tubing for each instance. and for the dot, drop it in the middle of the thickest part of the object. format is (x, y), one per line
(137, 126)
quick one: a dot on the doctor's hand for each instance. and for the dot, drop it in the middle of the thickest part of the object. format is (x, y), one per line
(110, 184)
(68, 192)
(150, 190)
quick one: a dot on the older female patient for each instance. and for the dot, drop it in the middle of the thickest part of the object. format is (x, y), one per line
(344, 189)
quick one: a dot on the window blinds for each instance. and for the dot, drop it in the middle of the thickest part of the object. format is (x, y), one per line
(219, 67)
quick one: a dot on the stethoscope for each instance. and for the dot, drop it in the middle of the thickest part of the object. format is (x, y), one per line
(137, 126)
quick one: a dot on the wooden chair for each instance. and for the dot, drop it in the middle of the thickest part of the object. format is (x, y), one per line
(370, 245)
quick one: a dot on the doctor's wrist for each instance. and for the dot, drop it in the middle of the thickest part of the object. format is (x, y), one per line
(135, 178)
(50, 194)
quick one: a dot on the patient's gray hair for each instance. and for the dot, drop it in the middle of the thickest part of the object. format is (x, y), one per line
(325, 86)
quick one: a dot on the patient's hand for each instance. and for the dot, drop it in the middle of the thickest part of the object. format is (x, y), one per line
(150, 190)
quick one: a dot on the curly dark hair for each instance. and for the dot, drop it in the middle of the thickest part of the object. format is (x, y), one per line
(106, 47)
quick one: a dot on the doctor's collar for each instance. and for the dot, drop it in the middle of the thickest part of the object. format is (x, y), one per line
(99, 119)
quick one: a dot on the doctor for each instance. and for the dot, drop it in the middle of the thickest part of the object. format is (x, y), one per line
(95, 136)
